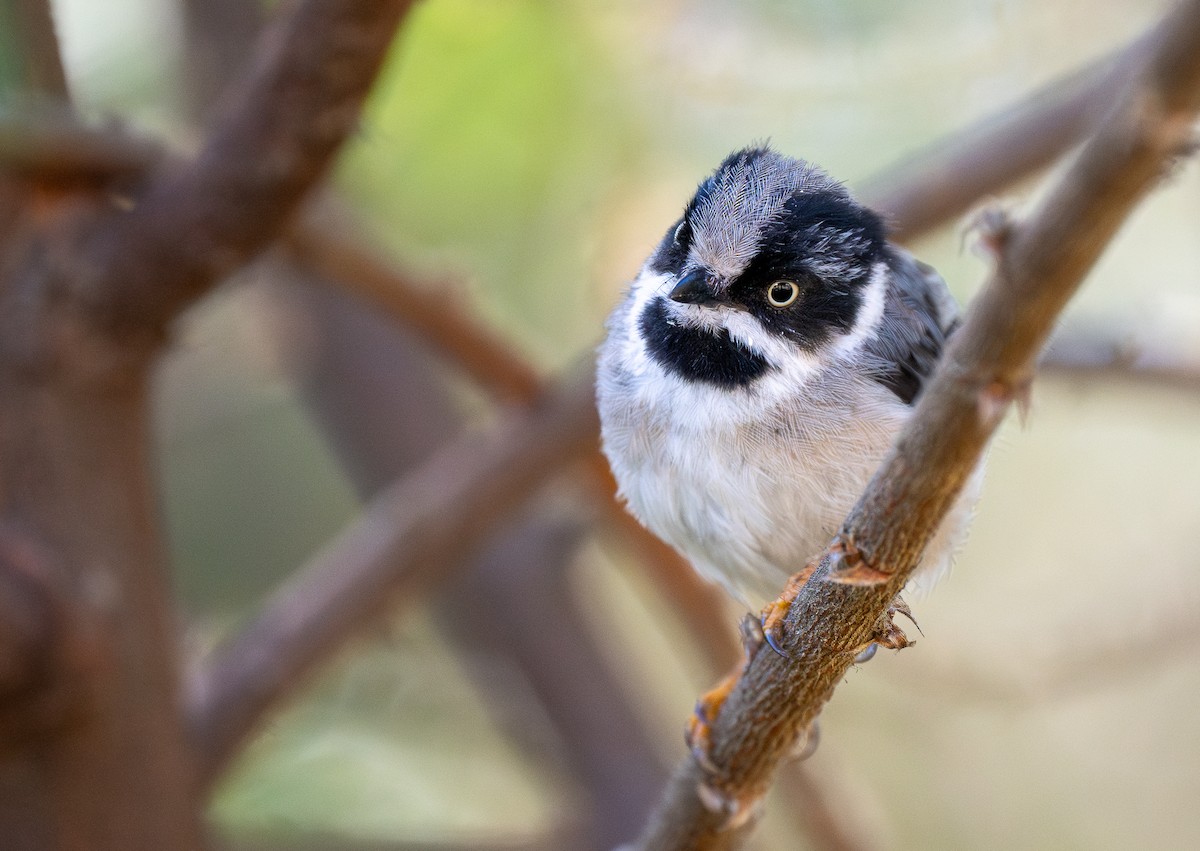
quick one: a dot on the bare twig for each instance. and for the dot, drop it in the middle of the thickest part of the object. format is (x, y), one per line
(1039, 266)
(338, 257)
(56, 146)
(27, 37)
(218, 37)
(1084, 662)
(555, 840)
(515, 603)
(276, 137)
(465, 341)
(829, 819)
(953, 174)
(1130, 356)
(444, 509)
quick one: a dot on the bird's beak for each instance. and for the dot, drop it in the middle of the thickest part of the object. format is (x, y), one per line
(694, 288)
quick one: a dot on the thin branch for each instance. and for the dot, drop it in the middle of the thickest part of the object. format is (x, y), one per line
(1130, 356)
(1040, 264)
(25, 621)
(320, 244)
(1084, 661)
(491, 362)
(28, 40)
(280, 130)
(507, 601)
(426, 522)
(55, 146)
(953, 174)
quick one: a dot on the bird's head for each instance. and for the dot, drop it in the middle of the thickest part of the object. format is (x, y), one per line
(772, 266)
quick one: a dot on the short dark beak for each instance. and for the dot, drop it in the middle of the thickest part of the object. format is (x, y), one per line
(694, 288)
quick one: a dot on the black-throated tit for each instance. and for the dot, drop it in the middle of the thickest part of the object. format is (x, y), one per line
(761, 365)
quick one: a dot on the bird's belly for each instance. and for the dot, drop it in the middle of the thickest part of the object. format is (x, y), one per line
(747, 517)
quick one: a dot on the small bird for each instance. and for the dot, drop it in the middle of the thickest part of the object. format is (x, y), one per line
(761, 365)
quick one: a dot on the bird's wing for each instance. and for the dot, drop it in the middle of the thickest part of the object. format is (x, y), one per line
(919, 315)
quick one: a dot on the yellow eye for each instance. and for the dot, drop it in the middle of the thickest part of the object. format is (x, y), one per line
(782, 293)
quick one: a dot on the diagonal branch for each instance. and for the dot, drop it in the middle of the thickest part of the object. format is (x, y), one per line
(953, 174)
(1080, 352)
(427, 522)
(1040, 264)
(29, 56)
(278, 135)
(492, 363)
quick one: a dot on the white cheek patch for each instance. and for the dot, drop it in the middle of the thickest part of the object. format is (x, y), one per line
(646, 286)
(870, 313)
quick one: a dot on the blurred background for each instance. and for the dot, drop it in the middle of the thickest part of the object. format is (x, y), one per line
(524, 157)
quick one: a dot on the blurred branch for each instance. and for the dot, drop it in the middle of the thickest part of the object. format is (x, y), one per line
(1086, 660)
(276, 137)
(321, 245)
(555, 841)
(510, 613)
(338, 257)
(30, 61)
(54, 145)
(26, 624)
(418, 527)
(1040, 263)
(218, 36)
(832, 822)
(1125, 355)
(953, 174)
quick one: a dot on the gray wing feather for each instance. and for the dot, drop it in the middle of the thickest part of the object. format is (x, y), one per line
(919, 315)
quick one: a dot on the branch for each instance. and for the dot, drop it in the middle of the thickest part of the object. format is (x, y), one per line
(1132, 356)
(283, 125)
(507, 601)
(428, 521)
(56, 146)
(322, 245)
(28, 41)
(953, 174)
(1040, 264)
(336, 256)
(1118, 655)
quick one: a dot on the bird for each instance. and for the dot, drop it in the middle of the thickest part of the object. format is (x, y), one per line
(759, 368)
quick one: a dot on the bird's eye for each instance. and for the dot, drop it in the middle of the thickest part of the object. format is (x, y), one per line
(782, 293)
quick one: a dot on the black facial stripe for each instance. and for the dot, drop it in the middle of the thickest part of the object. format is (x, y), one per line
(696, 354)
(822, 309)
(832, 211)
(670, 255)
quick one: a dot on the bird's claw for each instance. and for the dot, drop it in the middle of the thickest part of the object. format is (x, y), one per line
(806, 742)
(773, 613)
(698, 731)
(866, 654)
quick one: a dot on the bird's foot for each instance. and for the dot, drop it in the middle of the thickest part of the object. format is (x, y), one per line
(698, 732)
(773, 613)
(866, 654)
(887, 633)
(806, 742)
